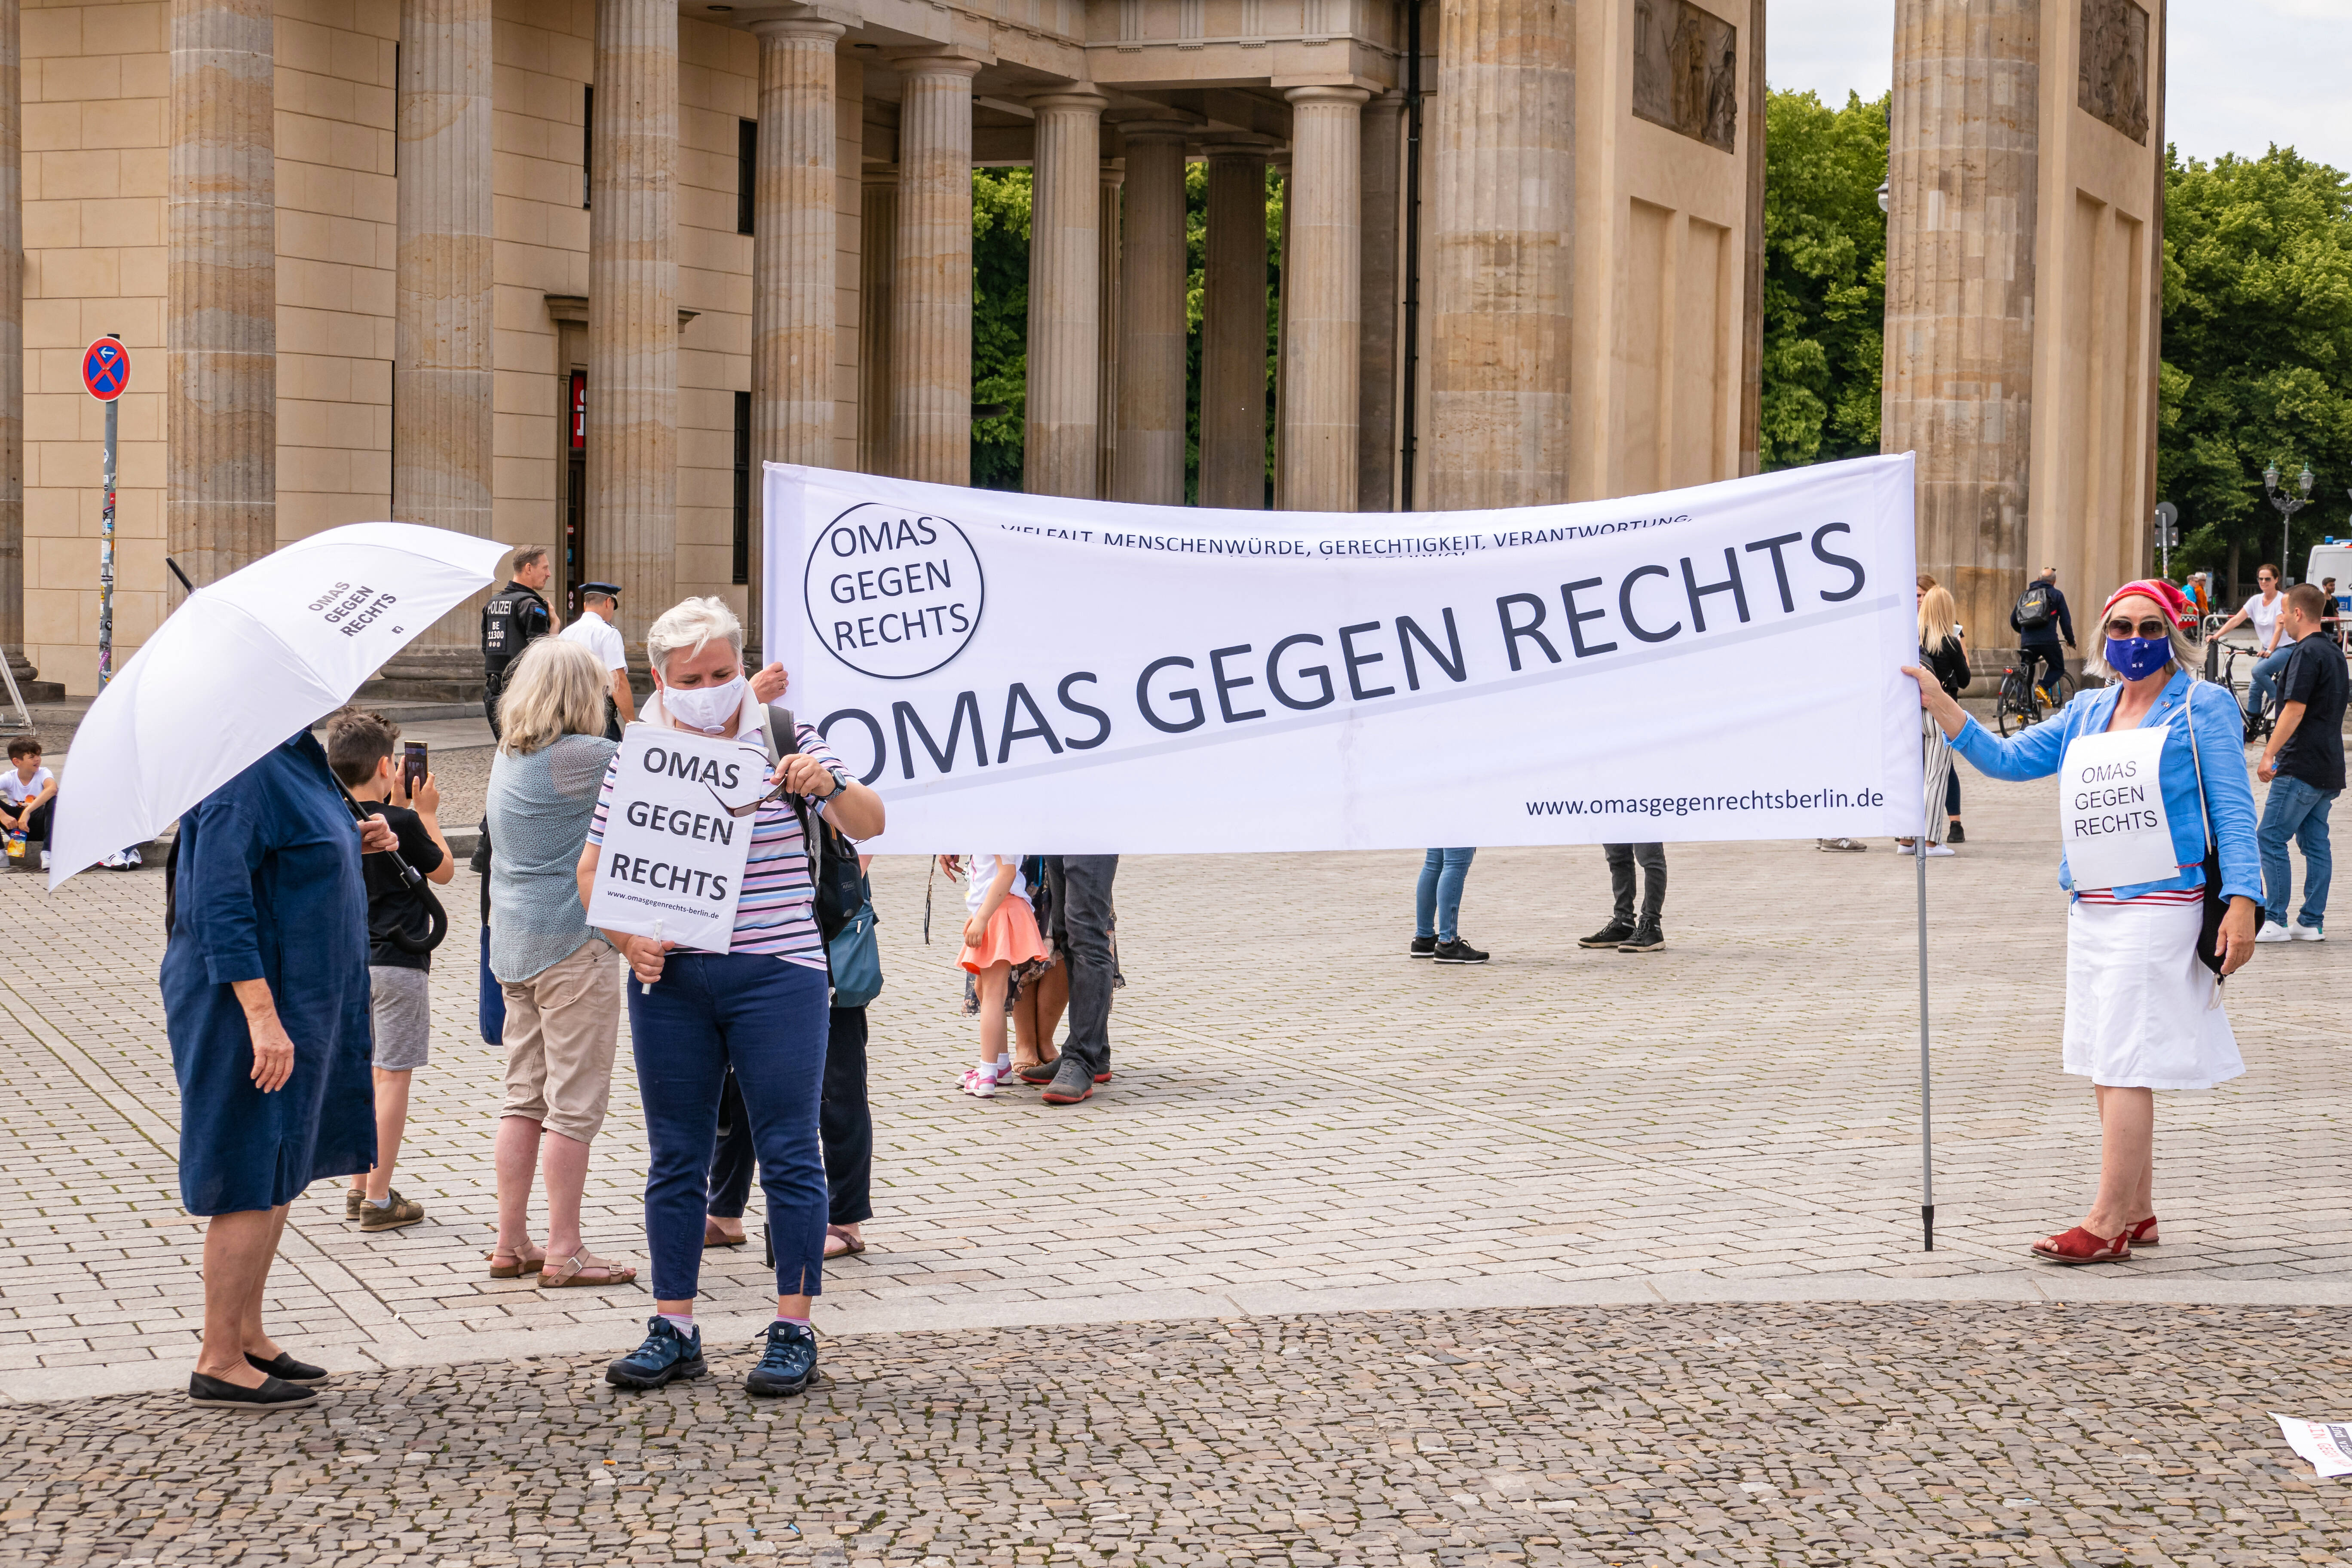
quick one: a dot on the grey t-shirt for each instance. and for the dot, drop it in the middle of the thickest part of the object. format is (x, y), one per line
(539, 808)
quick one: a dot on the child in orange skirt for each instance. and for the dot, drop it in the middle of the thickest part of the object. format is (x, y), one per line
(1000, 931)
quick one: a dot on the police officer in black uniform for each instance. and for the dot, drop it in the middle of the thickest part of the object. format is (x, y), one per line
(514, 616)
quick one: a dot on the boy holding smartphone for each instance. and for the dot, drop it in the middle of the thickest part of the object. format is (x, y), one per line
(363, 749)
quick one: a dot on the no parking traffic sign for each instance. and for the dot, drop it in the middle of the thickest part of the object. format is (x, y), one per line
(106, 369)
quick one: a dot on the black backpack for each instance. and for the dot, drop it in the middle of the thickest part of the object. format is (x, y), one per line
(2035, 609)
(832, 859)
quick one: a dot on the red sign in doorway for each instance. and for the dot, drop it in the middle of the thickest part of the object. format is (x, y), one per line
(578, 410)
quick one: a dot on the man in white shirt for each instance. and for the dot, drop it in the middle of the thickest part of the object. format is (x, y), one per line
(600, 603)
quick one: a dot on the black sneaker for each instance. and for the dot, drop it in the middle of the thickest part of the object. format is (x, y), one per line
(1958, 835)
(1423, 947)
(285, 1369)
(275, 1393)
(665, 1356)
(1614, 935)
(1646, 938)
(1458, 952)
(788, 1365)
(1072, 1083)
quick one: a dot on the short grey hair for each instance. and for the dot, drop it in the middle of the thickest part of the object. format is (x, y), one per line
(687, 627)
(557, 689)
(2186, 652)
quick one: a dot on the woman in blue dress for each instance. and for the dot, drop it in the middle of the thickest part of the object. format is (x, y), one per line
(266, 1001)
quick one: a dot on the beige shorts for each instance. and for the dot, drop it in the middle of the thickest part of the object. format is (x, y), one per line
(563, 1026)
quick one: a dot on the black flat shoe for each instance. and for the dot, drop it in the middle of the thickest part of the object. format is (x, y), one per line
(275, 1393)
(285, 1369)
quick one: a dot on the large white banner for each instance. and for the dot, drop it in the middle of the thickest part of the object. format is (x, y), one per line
(1030, 674)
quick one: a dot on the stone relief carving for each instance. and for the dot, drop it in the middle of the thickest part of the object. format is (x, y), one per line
(1686, 70)
(2113, 83)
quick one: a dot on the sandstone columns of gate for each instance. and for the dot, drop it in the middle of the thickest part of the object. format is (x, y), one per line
(12, 344)
(1501, 253)
(1376, 440)
(792, 283)
(1233, 332)
(1151, 317)
(220, 497)
(442, 345)
(1962, 182)
(1321, 355)
(632, 436)
(1059, 451)
(1112, 177)
(877, 264)
(930, 305)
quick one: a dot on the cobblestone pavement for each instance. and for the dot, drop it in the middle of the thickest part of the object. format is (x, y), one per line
(1303, 1119)
(1780, 1435)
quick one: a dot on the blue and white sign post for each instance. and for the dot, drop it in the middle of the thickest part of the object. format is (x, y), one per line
(106, 371)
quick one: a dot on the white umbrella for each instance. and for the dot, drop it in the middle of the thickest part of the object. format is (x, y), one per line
(246, 662)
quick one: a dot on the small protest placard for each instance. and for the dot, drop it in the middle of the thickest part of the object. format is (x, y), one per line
(672, 861)
(2326, 1443)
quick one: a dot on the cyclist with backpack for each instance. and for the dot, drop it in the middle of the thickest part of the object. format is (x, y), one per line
(760, 1008)
(2040, 620)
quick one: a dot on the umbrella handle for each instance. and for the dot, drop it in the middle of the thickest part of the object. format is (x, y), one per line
(437, 919)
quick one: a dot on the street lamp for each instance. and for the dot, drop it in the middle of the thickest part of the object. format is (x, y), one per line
(2288, 506)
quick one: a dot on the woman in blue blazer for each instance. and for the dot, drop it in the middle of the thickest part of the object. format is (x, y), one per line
(2143, 1012)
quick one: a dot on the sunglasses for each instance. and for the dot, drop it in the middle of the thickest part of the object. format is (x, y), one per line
(2151, 629)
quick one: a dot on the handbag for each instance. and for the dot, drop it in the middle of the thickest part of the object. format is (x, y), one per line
(855, 959)
(835, 882)
(2209, 930)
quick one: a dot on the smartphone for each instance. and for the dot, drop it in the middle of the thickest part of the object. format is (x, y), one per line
(411, 767)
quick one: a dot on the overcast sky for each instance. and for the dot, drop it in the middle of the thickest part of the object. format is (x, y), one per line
(2242, 74)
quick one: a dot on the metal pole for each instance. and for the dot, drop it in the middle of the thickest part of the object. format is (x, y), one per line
(1926, 1134)
(106, 559)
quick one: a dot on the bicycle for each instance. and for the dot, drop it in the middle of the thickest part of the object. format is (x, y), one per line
(2023, 702)
(2263, 717)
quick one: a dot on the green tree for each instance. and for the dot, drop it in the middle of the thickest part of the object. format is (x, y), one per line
(1000, 322)
(2257, 351)
(1824, 277)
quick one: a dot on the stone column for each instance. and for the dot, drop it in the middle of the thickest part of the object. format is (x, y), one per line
(795, 192)
(12, 345)
(1376, 427)
(632, 523)
(1112, 177)
(442, 332)
(1322, 355)
(220, 484)
(1963, 170)
(1233, 332)
(1153, 271)
(877, 261)
(1500, 258)
(930, 335)
(1058, 452)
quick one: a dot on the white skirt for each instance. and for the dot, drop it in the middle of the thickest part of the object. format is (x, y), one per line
(2141, 1011)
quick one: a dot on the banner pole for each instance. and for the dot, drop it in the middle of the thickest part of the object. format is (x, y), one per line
(1926, 1134)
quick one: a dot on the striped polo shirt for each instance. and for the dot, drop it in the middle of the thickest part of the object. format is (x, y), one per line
(776, 913)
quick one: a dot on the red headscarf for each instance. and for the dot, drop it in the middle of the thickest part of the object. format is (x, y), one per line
(2176, 604)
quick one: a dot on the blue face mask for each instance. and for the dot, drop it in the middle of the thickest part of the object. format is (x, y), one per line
(2135, 658)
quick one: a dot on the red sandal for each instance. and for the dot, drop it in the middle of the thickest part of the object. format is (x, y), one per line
(2079, 1246)
(2144, 1232)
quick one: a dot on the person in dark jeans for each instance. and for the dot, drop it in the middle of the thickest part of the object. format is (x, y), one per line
(844, 1127)
(2040, 620)
(2304, 765)
(1624, 932)
(1081, 922)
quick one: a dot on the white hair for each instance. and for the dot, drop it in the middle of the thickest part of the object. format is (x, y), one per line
(687, 627)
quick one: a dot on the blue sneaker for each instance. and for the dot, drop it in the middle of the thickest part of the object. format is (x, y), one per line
(666, 1356)
(788, 1363)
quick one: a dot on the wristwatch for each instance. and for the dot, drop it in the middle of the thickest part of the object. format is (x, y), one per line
(840, 788)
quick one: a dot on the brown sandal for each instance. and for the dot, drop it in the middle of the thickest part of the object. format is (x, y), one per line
(576, 1271)
(714, 1236)
(515, 1269)
(850, 1246)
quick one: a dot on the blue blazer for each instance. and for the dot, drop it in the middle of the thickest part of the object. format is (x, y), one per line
(2220, 743)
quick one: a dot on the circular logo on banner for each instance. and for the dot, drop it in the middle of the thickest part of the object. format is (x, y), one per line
(891, 592)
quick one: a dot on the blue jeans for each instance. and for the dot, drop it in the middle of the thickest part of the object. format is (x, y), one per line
(2264, 681)
(2298, 811)
(1437, 901)
(767, 1019)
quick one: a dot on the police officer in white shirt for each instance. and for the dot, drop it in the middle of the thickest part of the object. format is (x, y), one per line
(600, 605)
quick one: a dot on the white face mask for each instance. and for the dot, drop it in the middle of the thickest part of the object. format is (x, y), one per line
(705, 707)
